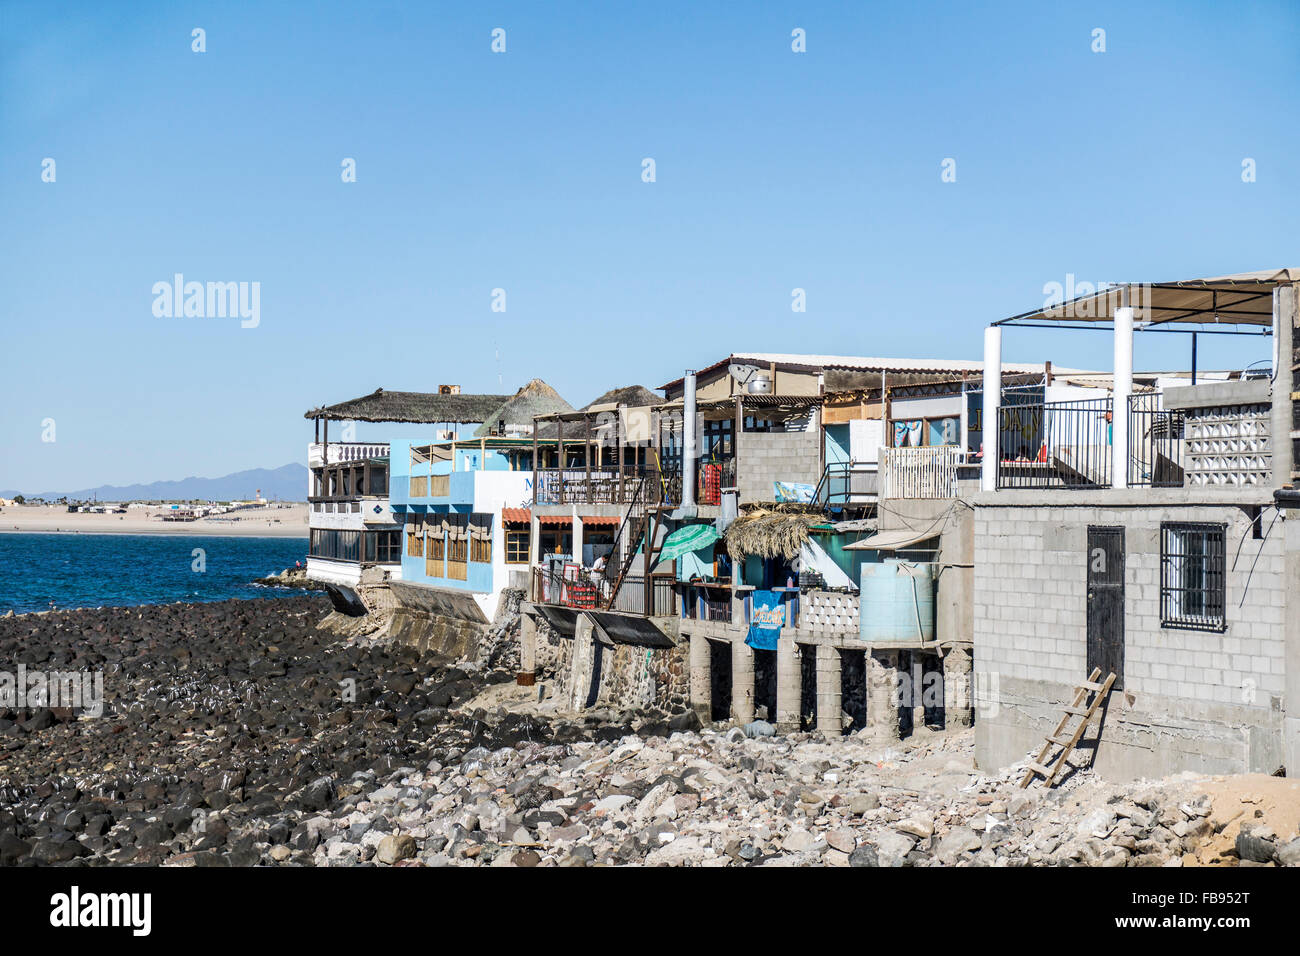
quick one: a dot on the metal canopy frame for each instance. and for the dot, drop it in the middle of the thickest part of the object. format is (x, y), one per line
(1034, 318)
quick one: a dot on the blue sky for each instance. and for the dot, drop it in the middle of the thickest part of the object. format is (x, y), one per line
(522, 171)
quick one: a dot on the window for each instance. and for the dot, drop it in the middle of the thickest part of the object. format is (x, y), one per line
(1192, 580)
(517, 541)
(415, 536)
(480, 538)
(336, 545)
(457, 568)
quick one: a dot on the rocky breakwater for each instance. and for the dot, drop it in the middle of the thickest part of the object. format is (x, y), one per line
(295, 578)
(224, 726)
(724, 799)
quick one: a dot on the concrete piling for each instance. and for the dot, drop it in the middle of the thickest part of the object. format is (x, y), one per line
(742, 682)
(701, 678)
(789, 685)
(882, 695)
(829, 719)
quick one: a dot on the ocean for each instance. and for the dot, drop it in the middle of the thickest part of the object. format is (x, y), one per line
(114, 570)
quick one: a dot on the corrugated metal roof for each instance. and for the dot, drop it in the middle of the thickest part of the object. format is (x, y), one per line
(862, 363)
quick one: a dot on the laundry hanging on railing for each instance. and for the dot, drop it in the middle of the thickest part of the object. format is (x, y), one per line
(766, 618)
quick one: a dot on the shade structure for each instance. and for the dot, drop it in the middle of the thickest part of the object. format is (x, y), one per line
(690, 538)
(1244, 298)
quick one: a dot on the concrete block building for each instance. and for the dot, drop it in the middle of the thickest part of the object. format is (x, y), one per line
(1147, 537)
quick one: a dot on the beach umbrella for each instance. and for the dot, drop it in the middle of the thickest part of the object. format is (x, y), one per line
(693, 537)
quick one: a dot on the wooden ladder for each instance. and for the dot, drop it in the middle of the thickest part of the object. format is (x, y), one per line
(1048, 770)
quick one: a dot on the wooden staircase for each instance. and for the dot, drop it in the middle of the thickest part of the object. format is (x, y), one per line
(1047, 768)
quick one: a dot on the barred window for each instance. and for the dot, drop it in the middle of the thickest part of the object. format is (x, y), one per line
(480, 550)
(1192, 578)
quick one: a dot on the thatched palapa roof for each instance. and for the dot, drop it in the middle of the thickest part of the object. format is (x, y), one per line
(535, 398)
(419, 407)
(633, 396)
(768, 533)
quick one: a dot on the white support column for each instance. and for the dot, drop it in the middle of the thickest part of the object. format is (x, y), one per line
(1284, 323)
(992, 400)
(1123, 388)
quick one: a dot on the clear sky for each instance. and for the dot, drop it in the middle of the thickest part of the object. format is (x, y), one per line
(522, 171)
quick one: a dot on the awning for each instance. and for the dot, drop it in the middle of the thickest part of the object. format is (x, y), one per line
(555, 521)
(892, 540)
(563, 619)
(515, 516)
(629, 629)
(601, 521)
(690, 538)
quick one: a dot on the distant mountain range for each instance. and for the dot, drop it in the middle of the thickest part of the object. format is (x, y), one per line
(287, 483)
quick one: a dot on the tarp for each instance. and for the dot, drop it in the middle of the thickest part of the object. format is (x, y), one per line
(693, 537)
(766, 618)
(892, 540)
(813, 557)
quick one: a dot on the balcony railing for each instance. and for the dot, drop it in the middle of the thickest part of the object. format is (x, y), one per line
(700, 603)
(338, 452)
(1155, 442)
(848, 483)
(599, 486)
(1055, 445)
(927, 472)
(588, 592)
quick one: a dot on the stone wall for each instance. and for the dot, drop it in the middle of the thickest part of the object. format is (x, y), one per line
(1192, 700)
(620, 676)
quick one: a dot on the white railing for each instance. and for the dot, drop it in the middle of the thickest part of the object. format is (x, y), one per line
(341, 451)
(919, 472)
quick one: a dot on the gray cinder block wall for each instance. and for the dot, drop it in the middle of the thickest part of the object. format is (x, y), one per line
(767, 457)
(1192, 700)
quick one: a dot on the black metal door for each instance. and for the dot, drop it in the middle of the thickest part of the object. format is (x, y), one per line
(1106, 602)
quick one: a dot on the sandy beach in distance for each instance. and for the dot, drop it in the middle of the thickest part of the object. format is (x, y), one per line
(281, 521)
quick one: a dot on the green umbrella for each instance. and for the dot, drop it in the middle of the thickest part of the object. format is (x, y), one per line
(693, 537)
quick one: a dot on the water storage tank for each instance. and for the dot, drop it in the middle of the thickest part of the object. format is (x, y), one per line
(897, 601)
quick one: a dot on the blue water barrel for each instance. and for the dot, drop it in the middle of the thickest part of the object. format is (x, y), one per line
(897, 601)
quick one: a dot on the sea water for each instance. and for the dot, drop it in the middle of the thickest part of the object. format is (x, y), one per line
(114, 570)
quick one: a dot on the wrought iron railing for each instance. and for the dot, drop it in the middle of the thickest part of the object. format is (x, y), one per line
(847, 483)
(1155, 442)
(1055, 445)
(577, 588)
(599, 486)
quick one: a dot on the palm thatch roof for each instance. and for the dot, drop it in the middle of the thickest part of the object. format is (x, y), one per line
(633, 396)
(535, 398)
(419, 407)
(770, 533)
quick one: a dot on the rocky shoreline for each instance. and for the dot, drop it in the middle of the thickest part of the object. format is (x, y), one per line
(295, 578)
(240, 733)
